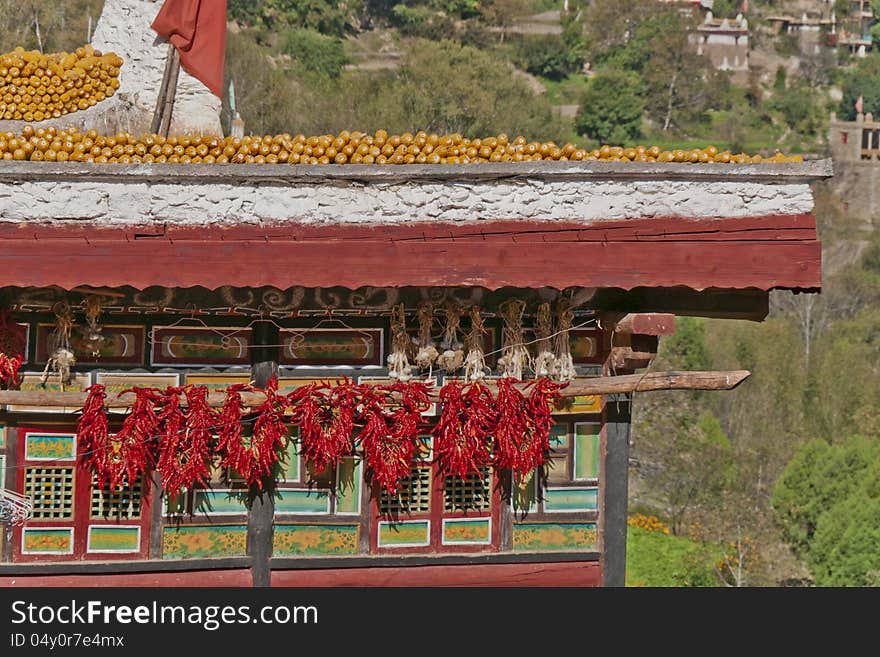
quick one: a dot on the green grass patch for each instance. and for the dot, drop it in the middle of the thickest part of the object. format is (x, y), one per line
(656, 559)
(567, 91)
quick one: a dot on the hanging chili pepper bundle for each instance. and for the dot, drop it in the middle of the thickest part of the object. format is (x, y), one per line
(518, 446)
(133, 447)
(9, 376)
(172, 446)
(544, 397)
(388, 452)
(93, 436)
(268, 435)
(463, 434)
(198, 438)
(406, 420)
(313, 415)
(234, 453)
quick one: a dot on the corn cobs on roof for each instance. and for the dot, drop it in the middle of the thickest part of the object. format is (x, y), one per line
(53, 145)
(34, 86)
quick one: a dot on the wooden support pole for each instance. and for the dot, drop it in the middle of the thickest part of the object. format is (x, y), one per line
(615, 491)
(261, 500)
(602, 385)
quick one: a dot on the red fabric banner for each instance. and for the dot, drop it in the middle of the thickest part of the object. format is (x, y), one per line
(197, 28)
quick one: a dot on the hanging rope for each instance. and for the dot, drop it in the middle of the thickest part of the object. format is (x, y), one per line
(475, 361)
(399, 367)
(452, 357)
(514, 356)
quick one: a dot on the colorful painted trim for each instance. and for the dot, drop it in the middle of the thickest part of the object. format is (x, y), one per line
(226, 346)
(549, 537)
(122, 345)
(579, 405)
(216, 382)
(2, 471)
(2, 436)
(586, 450)
(194, 541)
(33, 382)
(294, 540)
(50, 446)
(407, 533)
(219, 502)
(307, 347)
(114, 540)
(567, 500)
(348, 487)
(467, 531)
(302, 502)
(57, 540)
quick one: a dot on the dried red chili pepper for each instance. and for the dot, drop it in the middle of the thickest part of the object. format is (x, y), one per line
(93, 436)
(172, 457)
(516, 447)
(463, 434)
(133, 447)
(9, 366)
(230, 443)
(268, 436)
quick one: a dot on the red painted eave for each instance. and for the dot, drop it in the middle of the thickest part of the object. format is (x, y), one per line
(758, 252)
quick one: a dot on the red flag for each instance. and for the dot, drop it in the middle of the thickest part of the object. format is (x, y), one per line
(197, 28)
(859, 103)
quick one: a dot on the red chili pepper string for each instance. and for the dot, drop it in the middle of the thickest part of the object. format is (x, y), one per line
(194, 462)
(313, 415)
(9, 376)
(516, 444)
(268, 436)
(463, 434)
(543, 398)
(133, 448)
(172, 446)
(93, 436)
(388, 453)
(230, 442)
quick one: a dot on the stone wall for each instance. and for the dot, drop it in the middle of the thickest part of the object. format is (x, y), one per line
(194, 195)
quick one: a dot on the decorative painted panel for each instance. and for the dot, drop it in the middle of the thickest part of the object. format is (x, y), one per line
(548, 537)
(32, 382)
(580, 404)
(57, 540)
(194, 541)
(293, 540)
(586, 451)
(178, 347)
(2, 471)
(302, 501)
(586, 346)
(49, 446)
(220, 502)
(217, 382)
(114, 539)
(122, 345)
(408, 533)
(560, 454)
(2, 436)
(467, 531)
(348, 486)
(524, 496)
(117, 382)
(558, 500)
(309, 347)
(289, 464)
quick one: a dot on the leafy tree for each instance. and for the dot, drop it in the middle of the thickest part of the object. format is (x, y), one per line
(47, 25)
(316, 53)
(687, 346)
(501, 14)
(862, 80)
(333, 17)
(611, 108)
(547, 55)
(844, 549)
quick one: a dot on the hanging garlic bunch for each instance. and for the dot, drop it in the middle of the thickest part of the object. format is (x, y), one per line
(545, 362)
(427, 353)
(563, 369)
(398, 363)
(514, 356)
(62, 358)
(94, 339)
(452, 357)
(475, 361)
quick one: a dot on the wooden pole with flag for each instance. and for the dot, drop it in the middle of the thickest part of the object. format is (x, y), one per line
(196, 32)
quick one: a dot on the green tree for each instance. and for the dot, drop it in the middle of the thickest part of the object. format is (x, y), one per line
(844, 549)
(316, 53)
(862, 80)
(332, 17)
(611, 108)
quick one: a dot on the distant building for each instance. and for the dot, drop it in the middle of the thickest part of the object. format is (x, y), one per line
(725, 41)
(855, 28)
(855, 151)
(813, 29)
